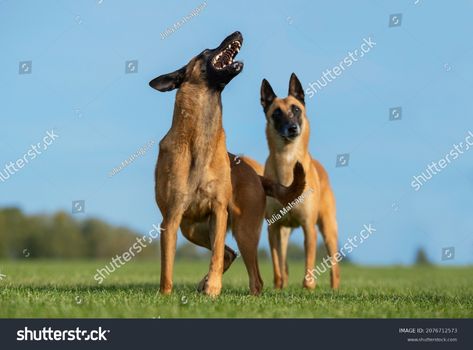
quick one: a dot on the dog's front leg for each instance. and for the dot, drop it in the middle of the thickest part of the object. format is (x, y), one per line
(218, 226)
(170, 225)
(278, 241)
(310, 245)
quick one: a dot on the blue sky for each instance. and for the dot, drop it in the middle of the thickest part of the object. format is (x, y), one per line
(78, 86)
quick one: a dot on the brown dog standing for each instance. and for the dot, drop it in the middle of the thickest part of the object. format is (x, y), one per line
(198, 184)
(287, 132)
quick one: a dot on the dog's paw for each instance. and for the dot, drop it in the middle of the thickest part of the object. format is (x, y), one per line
(309, 283)
(212, 288)
(279, 283)
(165, 291)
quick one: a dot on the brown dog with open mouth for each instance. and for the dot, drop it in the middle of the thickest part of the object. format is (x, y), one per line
(199, 186)
(287, 132)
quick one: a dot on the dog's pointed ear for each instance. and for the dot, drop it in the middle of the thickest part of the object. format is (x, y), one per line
(267, 94)
(170, 81)
(295, 88)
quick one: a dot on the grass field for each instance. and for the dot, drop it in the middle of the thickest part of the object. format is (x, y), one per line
(67, 289)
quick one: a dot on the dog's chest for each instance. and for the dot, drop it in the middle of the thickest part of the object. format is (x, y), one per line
(202, 198)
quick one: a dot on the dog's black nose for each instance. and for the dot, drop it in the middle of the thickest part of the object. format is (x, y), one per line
(293, 130)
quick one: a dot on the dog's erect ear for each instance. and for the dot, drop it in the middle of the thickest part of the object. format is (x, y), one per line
(170, 81)
(267, 94)
(295, 88)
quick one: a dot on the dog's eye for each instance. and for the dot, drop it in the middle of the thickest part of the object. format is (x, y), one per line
(276, 113)
(295, 109)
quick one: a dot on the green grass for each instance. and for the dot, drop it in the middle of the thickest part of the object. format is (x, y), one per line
(67, 289)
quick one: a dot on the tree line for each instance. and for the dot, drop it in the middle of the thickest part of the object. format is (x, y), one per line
(61, 236)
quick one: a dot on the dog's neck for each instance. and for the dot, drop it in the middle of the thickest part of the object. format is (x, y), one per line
(197, 118)
(197, 103)
(284, 155)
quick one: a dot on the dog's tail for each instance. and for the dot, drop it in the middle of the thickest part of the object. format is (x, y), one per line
(286, 194)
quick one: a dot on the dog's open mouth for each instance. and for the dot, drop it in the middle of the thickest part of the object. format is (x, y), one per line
(225, 57)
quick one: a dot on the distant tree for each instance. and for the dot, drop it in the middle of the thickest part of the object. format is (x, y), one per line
(421, 258)
(263, 254)
(188, 251)
(295, 252)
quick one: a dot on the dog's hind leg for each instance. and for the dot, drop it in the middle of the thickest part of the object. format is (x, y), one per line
(328, 227)
(198, 233)
(247, 229)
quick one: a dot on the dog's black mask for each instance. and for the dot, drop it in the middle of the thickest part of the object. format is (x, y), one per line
(213, 67)
(286, 115)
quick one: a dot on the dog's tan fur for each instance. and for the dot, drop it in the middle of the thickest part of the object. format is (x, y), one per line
(203, 189)
(318, 207)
